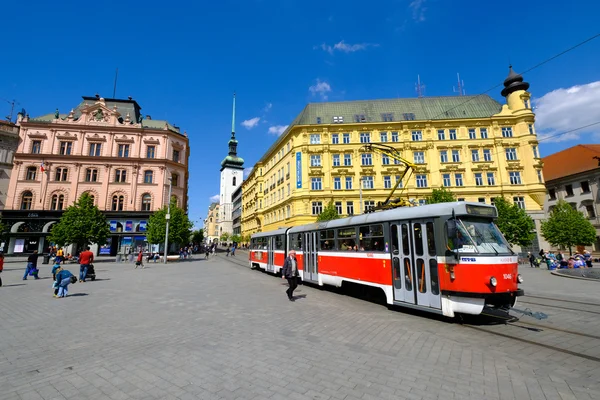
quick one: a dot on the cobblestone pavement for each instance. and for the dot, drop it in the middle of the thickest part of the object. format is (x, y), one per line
(217, 330)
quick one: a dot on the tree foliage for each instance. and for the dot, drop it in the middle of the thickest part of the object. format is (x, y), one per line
(236, 238)
(568, 227)
(329, 213)
(81, 224)
(179, 226)
(441, 195)
(517, 227)
(224, 237)
(198, 236)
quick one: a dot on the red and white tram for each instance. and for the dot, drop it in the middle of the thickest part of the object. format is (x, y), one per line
(445, 258)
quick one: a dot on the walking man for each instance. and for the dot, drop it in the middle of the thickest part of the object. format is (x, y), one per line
(32, 266)
(290, 272)
(85, 259)
(140, 260)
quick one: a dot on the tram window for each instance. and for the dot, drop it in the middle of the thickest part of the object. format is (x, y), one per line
(397, 273)
(326, 239)
(430, 239)
(418, 236)
(421, 276)
(405, 242)
(371, 238)
(346, 239)
(395, 239)
(279, 242)
(407, 275)
(296, 241)
(433, 271)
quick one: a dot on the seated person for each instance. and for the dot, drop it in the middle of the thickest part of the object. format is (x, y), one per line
(344, 246)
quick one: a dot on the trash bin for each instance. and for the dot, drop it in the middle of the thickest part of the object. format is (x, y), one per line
(118, 258)
(46, 259)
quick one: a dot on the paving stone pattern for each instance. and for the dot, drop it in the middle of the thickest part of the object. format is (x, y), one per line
(217, 330)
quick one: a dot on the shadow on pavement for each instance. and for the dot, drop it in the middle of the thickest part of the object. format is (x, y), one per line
(14, 284)
(77, 295)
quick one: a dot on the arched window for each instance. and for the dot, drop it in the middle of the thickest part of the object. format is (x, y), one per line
(61, 174)
(174, 179)
(148, 175)
(58, 202)
(118, 202)
(93, 198)
(26, 200)
(146, 202)
(31, 173)
(234, 180)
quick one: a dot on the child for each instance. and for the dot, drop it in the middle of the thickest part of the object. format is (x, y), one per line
(55, 270)
(63, 278)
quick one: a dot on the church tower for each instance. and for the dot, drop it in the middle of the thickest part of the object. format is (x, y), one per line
(515, 91)
(232, 173)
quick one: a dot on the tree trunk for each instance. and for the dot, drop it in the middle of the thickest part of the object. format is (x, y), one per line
(570, 251)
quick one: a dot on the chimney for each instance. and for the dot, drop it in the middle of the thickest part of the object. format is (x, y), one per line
(148, 117)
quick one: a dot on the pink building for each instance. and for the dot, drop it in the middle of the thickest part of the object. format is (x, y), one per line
(104, 147)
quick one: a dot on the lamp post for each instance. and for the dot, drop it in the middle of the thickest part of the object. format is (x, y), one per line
(167, 218)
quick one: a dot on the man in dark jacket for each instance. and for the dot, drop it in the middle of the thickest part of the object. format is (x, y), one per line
(290, 272)
(32, 266)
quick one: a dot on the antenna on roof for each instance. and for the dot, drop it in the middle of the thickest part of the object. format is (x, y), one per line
(115, 87)
(420, 88)
(12, 109)
(460, 89)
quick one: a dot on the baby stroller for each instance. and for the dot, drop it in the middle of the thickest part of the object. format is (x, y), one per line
(91, 273)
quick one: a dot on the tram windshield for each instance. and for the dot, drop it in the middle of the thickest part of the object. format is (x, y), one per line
(476, 236)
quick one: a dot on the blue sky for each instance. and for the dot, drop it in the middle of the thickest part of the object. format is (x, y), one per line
(182, 61)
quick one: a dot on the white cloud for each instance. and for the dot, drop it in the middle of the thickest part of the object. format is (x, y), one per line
(277, 129)
(321, 89)
(251, 123)
(418, 10)
(562, 110)
(214, 199)
(247, 171)
(268, 107)
(344, 47)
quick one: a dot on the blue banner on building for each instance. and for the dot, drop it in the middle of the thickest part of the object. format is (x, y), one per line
(298, 170)
(143, 225)
(128, 226)
(113, 226)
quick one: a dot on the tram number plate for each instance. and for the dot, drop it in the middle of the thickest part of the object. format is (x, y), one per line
(507, 276)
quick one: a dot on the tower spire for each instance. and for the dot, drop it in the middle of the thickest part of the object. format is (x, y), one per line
(233, 118)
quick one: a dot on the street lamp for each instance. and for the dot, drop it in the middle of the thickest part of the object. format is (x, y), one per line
(167, 218)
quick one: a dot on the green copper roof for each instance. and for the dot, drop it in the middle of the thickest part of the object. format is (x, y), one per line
(232, 161)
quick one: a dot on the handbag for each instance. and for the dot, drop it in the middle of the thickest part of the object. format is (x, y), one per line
(73, 279)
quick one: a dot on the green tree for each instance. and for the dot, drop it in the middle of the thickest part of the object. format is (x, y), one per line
(514, 223)
(236, 238)
(329, 213)
(441, 195)
(224, 237)
(179, 226)
(198, 236)
(81, 224)
(568, 227)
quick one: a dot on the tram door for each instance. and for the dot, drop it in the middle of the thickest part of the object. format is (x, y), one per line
(309, 249)
(414, 262)
(271, 253)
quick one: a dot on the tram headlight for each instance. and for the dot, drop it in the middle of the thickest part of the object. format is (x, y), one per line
(519, 278)
(452, 276)
(493, 281)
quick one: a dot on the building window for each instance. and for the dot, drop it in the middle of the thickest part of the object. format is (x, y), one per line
(95, 149)
(57, 202)
(531, 131)
(360, 118)
(511, 154)
(585, 186)
(481, 199)
(483, 133)
(315, 139)
(118, 203)
(347, 160)
(478, 179)
(526, 103)
(92, 198)
(338, 120)
(475, 155)
(444, 156)
(61, 174)
(369, 205)
(383, 137)
(552, 194)
(317, 207)
(515, 177)
(591, 213)
(150, 151)
(446, 180)
(487, 155)
(365, 137)
(31, 173)
(491, 181)
(146, 202)
(234, 181)
(459, 179)
(26, 200)
(338, 207)
(367, 182)
(460, 199)
(318, 120)
(366, 159)
(346, 138)
(350, 207)
(91, 175)
(419, 157)
(394, 137)
(387, 182)
(519, 201)
(176, 156)
(507, 132)
(536, 154)
(421, 181)
(123, 150)
(36, 147)
(452, 134)
(336, 160)
(288, 189)
(337, 183)
(348, 183)
(148, 175)
(455, 156)
(417, 136)
(316, 184)
(335, 138)
(569, 190)
(385, 160)
(315, 160)
(66, 148)
(120, 175)
(387, 117)
(441, 134)
(472, 134)
(397, 179)
(174, 180)
(409, 116)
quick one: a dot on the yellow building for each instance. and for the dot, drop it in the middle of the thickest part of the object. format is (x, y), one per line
(476, 147)
(211, 224)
